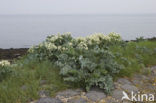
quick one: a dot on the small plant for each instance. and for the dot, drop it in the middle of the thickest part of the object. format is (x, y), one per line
(5, 69)
(140, 39)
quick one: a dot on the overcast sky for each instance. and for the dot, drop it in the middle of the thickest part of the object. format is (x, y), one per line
(77, 6)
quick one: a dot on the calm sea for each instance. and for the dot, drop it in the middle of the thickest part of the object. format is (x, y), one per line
(25, 30)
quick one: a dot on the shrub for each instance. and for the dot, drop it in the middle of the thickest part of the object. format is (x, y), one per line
(5, 69)
(86, 61)
(89, 68)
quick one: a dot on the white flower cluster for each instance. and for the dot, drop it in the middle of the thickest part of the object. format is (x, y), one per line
(4, 63)
(70, 44)
(54, 38)
(31, 50)
(115, 36)
(96, 38)
(50, 46)
(65, 41)
(99, 37)
(81, 39)
(82, 45)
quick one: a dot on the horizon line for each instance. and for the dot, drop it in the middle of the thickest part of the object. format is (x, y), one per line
(87, 14)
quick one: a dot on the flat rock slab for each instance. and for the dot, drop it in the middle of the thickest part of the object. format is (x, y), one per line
(117, 94)
(77, 100)
(129, 88)
(95, 95)
(140, 77)
(124, 81)
(48, 100)
(137, 82)
(149, 87)
(69, 93)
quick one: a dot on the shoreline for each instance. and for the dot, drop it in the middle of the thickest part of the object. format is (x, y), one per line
(12, 53)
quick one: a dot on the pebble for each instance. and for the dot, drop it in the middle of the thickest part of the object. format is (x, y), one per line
(123, 81)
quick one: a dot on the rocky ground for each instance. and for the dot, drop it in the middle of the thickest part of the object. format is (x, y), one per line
(139, 83)
(10, 54)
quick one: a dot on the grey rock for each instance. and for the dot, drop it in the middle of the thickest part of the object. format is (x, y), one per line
(110, 101)
(154, 67)
(117, 94)
(44, 93)
(123, 81)
(69, 93)
(140, 77)
(149, 87)
(43, 82)
(137, 82)
(116, 85)
(77, 100)
(153, 70)
(129, 88)
(145, 78)
(48, 100)
(137, 76)
(96, 95)
(126, 102)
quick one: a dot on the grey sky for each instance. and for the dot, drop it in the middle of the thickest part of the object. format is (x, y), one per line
(77, 6)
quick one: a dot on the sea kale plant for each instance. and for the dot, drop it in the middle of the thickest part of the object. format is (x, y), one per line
(5, 69)
(86, 61)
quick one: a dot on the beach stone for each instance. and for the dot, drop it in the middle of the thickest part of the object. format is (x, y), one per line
(95, 95)
(48, 100)
(44, 93)
(77, 100)
(123, 81)
(69, 93)
(117, 94)
(129, 88)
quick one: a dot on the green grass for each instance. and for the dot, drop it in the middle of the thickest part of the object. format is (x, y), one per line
(135, 56)
(29, 75)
